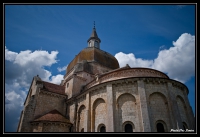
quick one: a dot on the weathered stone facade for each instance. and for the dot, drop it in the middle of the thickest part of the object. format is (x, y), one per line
(141, 102)
(98, 97)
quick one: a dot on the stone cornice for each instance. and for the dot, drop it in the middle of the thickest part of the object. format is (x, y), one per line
(74, 76)
(126, 73)
(179, 85)
(52, 94)
(68, 73)
(155, 80)
(50, 122)
(81, 78)
(70, 77)
(70, 100)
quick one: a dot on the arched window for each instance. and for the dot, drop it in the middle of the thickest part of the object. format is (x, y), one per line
(90, 45)
(102, 129)
(160, 127)
(128, 128)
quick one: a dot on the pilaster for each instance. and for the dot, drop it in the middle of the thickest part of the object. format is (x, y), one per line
(177, 122)
(110, 111)
(87, 114)
(144, 107)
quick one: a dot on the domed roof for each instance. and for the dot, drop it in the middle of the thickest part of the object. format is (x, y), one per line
(92, 54)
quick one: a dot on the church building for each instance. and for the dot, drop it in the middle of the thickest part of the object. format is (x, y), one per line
(96, 95)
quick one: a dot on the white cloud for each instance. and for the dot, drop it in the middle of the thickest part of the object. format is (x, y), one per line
(62, 69)
(178, 61)
(38, 58)
(130, 59)
(13, 100)
(20, 68)
(9, 55)
(56, 79)
(23, 66)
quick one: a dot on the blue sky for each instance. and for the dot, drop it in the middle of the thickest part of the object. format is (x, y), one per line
(43, 39)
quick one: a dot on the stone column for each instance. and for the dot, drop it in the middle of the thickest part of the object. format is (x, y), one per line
(174, 107)
(143, 107)
(172, 120)
(87, 120)
(110, 111)
(75, 117)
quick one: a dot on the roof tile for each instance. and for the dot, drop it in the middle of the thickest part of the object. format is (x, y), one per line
(53, 116)
(53, 88)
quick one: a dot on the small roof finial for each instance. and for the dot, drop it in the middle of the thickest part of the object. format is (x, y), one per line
(94, 24)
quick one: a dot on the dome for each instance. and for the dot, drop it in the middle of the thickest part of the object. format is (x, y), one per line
(92, 54)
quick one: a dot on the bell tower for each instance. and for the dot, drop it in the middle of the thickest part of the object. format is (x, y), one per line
(94, 41)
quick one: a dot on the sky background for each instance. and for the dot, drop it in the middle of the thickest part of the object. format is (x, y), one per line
(43, 39)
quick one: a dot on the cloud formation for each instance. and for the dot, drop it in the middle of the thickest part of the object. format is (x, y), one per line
(57, 79)
(20, 68)
(130, 59)
(178, 62)
(62, 69)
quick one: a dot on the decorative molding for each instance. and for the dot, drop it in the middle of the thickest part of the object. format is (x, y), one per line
(82, 97)
(81, 78)
(46, 123)
(70, 101)
(127, 73)
(68, 73)
(52, 94)
(155, 80)
(70, 77)
(177, 85)
(73, 76)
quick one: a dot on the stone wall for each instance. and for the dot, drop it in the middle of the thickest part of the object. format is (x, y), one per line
(51, 127)
(99, 108)
(69, 87)
(139, 102)
(27, 115)
(55, 127)
(48, 101)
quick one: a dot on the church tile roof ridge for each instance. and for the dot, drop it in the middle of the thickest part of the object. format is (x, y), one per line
(52, 116)
(54, 88)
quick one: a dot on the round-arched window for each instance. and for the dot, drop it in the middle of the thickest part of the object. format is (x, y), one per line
(103, 129)
(160, 127)
(128, 128)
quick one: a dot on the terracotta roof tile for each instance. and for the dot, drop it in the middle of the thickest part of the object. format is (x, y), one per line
(91, 54)
(53, 116)
(53, 88)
